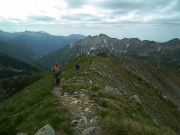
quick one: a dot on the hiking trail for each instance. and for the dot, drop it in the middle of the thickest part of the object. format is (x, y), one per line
(81, 110)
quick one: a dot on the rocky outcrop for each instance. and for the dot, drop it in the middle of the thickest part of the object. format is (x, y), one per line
(46, 130)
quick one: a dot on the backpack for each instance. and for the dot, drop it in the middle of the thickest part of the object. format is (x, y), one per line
(57, 70)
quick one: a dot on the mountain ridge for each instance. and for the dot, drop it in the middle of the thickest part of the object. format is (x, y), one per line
(156, 54)
(39, 42)
(112, 82)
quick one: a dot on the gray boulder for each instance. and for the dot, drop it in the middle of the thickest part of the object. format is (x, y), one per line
(137, 98)
(89, 131)
(108, 88)
(46, 130)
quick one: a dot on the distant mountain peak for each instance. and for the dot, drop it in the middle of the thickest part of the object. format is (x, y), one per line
(174, 41)
(103, 35)
(42, 32)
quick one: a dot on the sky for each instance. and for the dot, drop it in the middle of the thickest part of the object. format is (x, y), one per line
(157, 20)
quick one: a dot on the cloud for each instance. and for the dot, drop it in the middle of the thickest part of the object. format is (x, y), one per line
(41, 18)
(94, 15)
(153, 13)
(76, 4)
(81, 17)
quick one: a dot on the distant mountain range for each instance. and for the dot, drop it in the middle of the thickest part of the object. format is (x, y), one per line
(35, 44)
(167, 53)
(43, 48)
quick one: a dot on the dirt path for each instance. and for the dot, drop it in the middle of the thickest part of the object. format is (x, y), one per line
(81, 110)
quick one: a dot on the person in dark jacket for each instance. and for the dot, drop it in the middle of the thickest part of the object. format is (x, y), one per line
(77, 68)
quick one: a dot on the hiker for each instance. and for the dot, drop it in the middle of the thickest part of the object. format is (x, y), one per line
(57, 69)
(77, 68)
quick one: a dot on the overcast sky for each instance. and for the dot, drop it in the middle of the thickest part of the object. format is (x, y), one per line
(157, 20)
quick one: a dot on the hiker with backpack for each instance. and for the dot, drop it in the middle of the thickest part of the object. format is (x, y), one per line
(57, 69)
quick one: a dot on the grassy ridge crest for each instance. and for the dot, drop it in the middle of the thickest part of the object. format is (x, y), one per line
(35, 106)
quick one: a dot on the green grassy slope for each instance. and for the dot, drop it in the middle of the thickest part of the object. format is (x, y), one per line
(10, 67)
(114, 74)
(18, 52)
(31, 109)
(35, 106)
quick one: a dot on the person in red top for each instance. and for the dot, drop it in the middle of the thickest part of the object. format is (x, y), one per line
(57, 69)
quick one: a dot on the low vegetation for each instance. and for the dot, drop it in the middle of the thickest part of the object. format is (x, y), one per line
(122, 115)
(11, 86)
(31, 109)
(35, 106)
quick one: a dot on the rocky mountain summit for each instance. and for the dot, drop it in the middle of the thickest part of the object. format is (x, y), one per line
(101, 43)
(155, 53)
(151, 51)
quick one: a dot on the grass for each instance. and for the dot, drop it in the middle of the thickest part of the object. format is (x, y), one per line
(113, 74)
(127, 126)
(32, 108)
(71, 88)
(126, 117)
(35, 106)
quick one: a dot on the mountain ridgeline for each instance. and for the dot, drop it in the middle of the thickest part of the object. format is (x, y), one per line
(133, 97)
(34, 44)
(167, 53)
